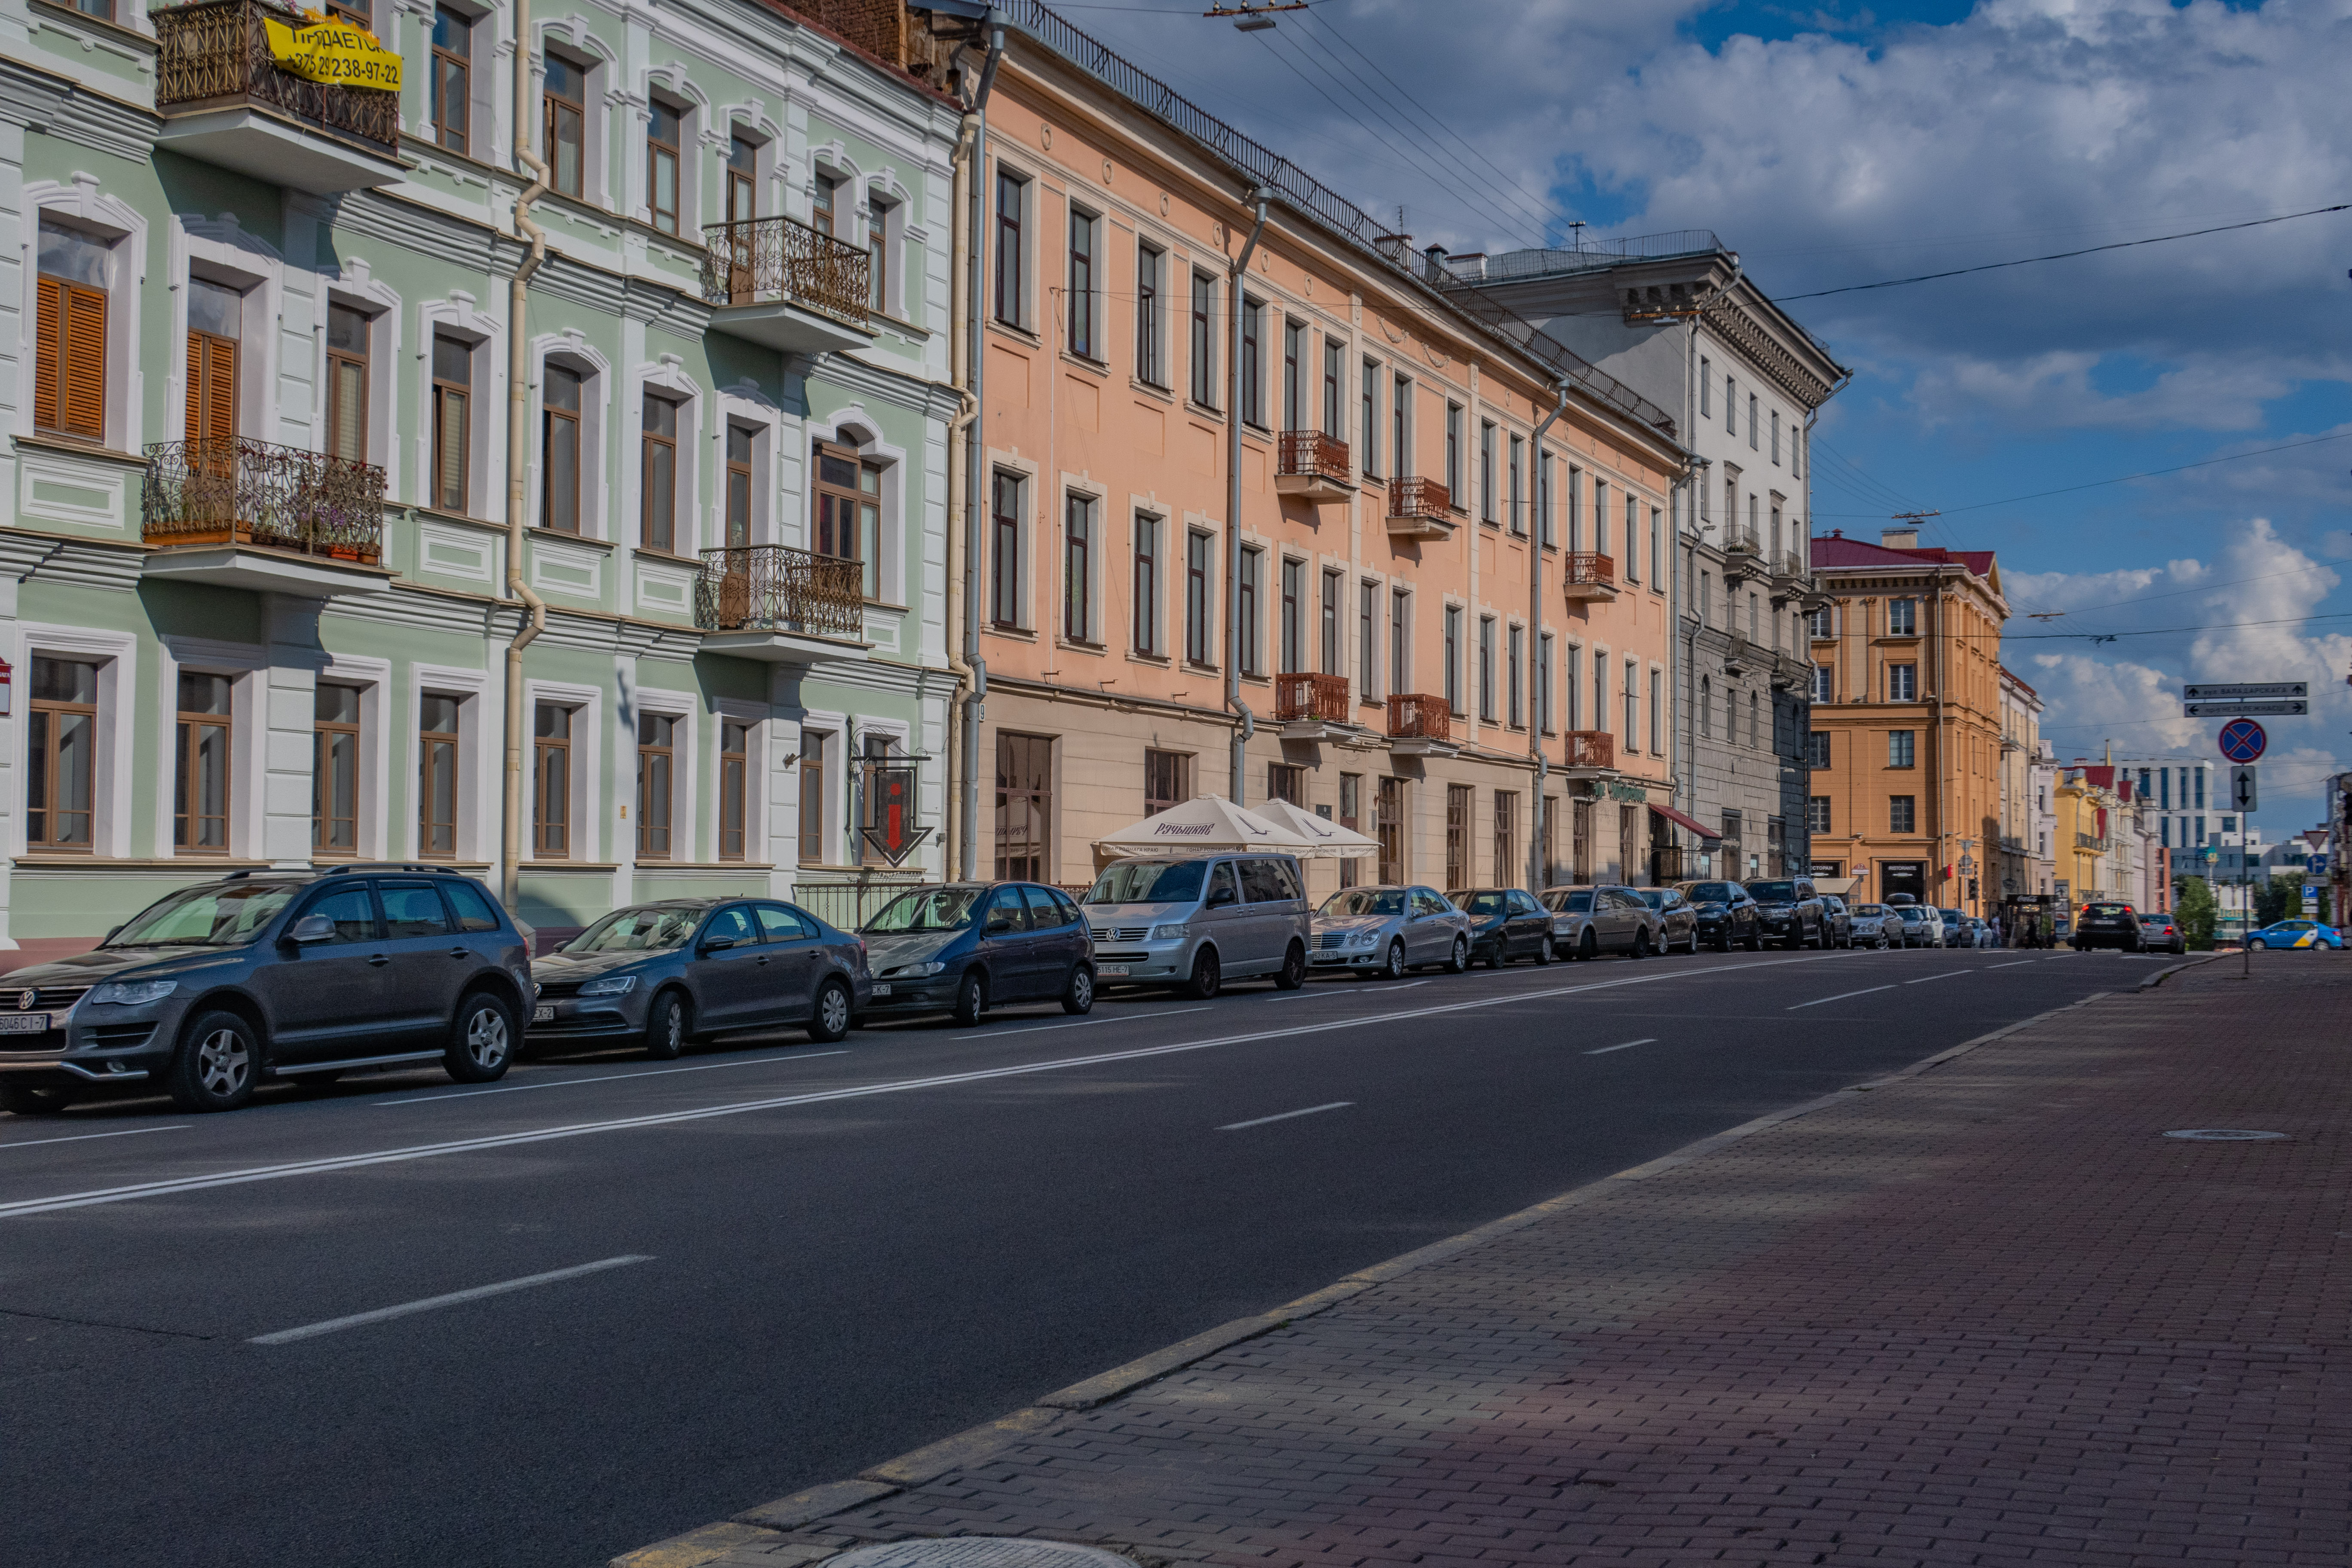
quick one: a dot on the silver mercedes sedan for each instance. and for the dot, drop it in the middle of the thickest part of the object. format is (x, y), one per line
(1387, 930)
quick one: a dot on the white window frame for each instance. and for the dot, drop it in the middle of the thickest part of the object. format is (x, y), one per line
(666, 378)
(486, 457)
(572, 36)
(248, 713)
(694, 150)
(222, 253)
(1098, 498)
(1024, 571)
(113, 755)
(571, 352)
(373, 678)
(835, 728)
(853, 428)
(589, 829)
(686, 751)
(744, 404)
(755, 717)
(380, 304)
(81, 206)
(479, 807)
(884, 190)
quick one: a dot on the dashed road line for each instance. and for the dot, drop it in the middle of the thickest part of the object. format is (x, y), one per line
(455, 1298)
(86, 1137)
(1310, 1110)
(1626, 1047)
(1839, 998)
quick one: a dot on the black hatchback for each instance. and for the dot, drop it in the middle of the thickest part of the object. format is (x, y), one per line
(1505, 924)
(965, 947)
(260, 975)
(1728, 916)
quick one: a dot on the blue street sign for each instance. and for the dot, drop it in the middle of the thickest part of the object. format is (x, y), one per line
(2242, 740)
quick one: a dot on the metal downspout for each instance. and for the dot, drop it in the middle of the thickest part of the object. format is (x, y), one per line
(975, 454)
(517, 456)
(959, 435)
(1538, 666)
(1248, 727)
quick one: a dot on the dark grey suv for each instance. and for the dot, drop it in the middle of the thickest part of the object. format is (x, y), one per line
(272, 974)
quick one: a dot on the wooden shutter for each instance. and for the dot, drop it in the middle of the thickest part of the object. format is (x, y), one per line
(45, 359)
(83, 370)
(212, 387)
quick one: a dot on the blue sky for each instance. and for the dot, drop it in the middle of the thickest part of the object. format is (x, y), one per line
(1844, 143)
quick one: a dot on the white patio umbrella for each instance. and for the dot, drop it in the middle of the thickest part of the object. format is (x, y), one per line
(1206, 822)
(1330, 841)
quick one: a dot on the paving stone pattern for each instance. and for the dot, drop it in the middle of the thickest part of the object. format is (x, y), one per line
(1985, 1315)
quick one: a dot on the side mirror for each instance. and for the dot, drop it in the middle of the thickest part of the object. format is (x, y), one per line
(308, 929)
(717, 944)
(999, 925)
(108, 936)
(1220, 898)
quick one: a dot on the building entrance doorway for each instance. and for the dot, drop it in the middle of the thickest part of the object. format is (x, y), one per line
(1903, 877)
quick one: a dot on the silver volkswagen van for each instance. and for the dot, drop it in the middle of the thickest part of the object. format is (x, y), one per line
(1194, 922)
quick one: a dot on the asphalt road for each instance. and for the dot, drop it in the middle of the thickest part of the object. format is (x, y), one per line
(814, 1258)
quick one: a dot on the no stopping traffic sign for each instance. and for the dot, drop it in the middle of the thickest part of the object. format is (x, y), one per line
(2242, 740)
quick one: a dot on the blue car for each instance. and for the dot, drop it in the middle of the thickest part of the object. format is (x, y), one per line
(2297, 933)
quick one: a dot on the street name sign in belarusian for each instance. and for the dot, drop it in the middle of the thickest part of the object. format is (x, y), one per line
(2242, 789)
(2246, 691)
(2242, 740)
(2241, 708)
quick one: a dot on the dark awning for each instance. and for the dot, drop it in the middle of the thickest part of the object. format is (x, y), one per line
(1679, 820)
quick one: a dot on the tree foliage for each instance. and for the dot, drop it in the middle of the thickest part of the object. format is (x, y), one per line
(2280, 898)
(2197, 910)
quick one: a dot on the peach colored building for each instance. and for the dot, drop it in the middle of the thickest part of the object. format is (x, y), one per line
(1393, 502)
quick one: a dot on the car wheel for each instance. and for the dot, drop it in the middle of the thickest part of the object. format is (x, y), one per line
(972, 998)
(214, 1069)
(1293, 972)
(30, 1099)
(1642, 942)
(481, 1039)
(829, 1019)
(1590, 948)
(1543, 952)
(1493, 955)
(1208, 979)
(1754, 938)
(1078, 995)
(2258, 945)
(1393, 968)
(1722, 943)
(1458, 960)
(666, 1027)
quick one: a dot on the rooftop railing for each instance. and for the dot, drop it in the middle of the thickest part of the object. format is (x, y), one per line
(214, 51)
(226, 489)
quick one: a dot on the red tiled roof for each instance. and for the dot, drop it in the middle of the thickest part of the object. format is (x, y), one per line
(1834, 550)
(2024, 684)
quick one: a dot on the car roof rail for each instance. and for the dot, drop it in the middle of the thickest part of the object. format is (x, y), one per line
(347, 867)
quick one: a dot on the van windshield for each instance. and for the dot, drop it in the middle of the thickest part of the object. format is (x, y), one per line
(1149, 882)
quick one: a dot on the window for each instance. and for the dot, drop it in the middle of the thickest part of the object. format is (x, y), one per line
(1485, 471)
(742, 179)
(1400, 641)
(1150, 279)
(1821, 688)
(453, 78)
(1817, 623)
(215, 322)
(437, 777)
(1371, 420)
(1198, 602)
(1400, 425)
(811, 797)
(738, 485)
(1004, 551)
(1452, 659)
(551, 782)
(1575, 507)
(1706, 376)
(1544, 533)
(1011, 209)
(658, 508)
(1147, 583)
(1901, 748)
(1751, 421)
(334, 770)
(2199, 775)
(662, 128)
(1817, 749)
(1333, 393)
(1600, 688)
(825, 204)
(1658, 711)
(1204, 340)
(1902, 814)
(656, 782)
(1515, 486)
(347, 381)
(1600, 517)
(1776, 435)
(1335, 583)
(1633, 705)
(1247, 589)
(1285, 780)
(1633, 542)
(877, 254)
(1252, 388)
(1164, 779)
(1506, 847)
(1902, 682)
(1658, 565)
(1351, 808)
(563, 138)
(1487, 669)
(1705, 709)
(849, 512)
(1294, 391)
(200, 798)
(1571, 689)
(1517, 663)
(1543, 682)
(1457, 836)
(453, 397)
(1755, 721)
(70, 374)
(1730, 406)
(1367, 642)
(1579, 841)
(734, 787)
(559, 445)
(1388, 829)
(62, 754)
(1293, 616)
(1084, 229)
(1078, 568)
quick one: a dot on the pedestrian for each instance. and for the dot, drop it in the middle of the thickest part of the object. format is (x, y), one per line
(1998, 939)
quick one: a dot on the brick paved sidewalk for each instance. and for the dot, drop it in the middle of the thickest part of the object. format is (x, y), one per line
(1986, 1314)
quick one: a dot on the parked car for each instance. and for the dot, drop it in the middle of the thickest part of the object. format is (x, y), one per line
(1790, 910)
(2162, 934)
(1589, 920)
(1386, 930)
(680, 969)
(1974, 932)
(1953, 934)
(1505, 924)
(2297, 933)
(215, 987)
(1837, 922)
(1194, 921)
(1724, 914)
(965, 947)
(1875, 925)
(1677, 921)
(2108, 925)
(1921, 926)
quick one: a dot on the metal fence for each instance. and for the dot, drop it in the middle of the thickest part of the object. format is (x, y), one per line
(774, 587)
(1588, 569)
(216, 50)
(1309, 696)
(1420, 499)
(1413, 716)
(1314, 453)
(226, 489)
(762, 260)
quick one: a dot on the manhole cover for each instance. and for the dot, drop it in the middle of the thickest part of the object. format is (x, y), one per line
(980, 1551)
(2222, 1135)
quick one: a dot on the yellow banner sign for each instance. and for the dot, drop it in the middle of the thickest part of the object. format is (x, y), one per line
(335, 53)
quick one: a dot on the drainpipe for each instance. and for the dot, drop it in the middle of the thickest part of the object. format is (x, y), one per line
(518, 455)
(1234, 509)
(959, 434)
(975, 454)
(1538, 668)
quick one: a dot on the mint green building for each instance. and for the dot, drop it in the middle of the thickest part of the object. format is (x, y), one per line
(254, 593)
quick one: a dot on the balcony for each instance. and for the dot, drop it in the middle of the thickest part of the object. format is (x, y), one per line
(779, 283)
(2091, 841)
(1420, 508)
(1420, 726)
(1314, 708)
(1791, 673)
(1742, 560)
(1313, 466)
(235, 514)
(1741, 656)
(1592, 750)
(225, 101)
(779, 606)
(1589, 576)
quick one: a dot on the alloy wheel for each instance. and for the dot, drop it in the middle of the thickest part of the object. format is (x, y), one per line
(485, 1038)
(222, 1063)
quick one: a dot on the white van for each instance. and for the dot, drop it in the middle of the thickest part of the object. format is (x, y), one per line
(1195, 921)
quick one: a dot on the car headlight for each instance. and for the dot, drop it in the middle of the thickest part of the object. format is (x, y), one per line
(1169, 933)
(611, 985)
(916, 971)
(132, 993)
(1364, 939)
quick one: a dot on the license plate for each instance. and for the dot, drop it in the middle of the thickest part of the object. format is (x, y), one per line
(24, 1023)
(543, 1014)
(881, 991)
(1119, 969)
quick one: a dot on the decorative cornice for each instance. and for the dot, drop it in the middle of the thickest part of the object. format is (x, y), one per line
(1738, 327)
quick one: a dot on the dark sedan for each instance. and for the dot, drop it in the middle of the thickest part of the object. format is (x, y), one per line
(1726, 915)
(687, 969)
(1678, 921)
(965, 947)
(2108, 925)
(1790, 911)
(1505, 924)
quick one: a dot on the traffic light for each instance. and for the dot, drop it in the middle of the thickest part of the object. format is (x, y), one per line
(1972, 890)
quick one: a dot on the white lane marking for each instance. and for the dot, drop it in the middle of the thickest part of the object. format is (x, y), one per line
(1310, 1110)
(1626, 1047)
(1076, 1024)
(1946, 975)
(605, 1078)
(815, 1096)
(2018, 963)
(86, 1137)
(455, 1298)
(1839, 998)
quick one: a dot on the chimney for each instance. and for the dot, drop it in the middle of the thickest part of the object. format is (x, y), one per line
(1900, 538)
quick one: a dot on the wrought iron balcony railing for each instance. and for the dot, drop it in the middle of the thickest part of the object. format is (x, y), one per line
(1311, 697)
(1415, 499)
(776, 588)
(770, 261)
(226, 489)
(1414, 717)
(2091, 841)
(1592, 749)
(1310, 454)
(213, 53)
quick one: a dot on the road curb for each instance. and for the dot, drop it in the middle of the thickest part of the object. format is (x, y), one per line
(766, 1525)
(2157, 979)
